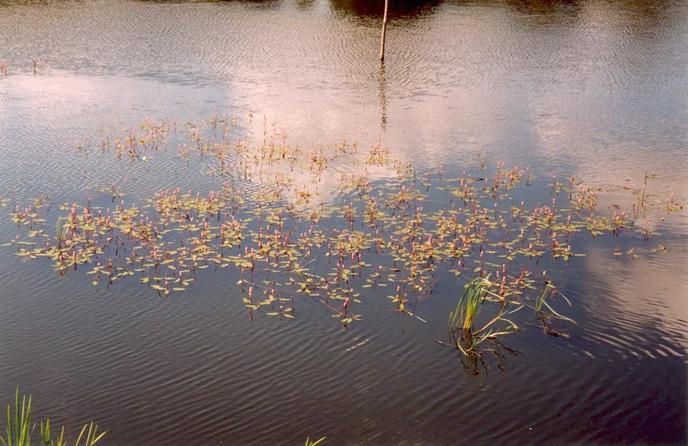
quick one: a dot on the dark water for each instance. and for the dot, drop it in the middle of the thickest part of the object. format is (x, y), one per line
(592, 89)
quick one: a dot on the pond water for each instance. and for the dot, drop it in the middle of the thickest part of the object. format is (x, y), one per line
(593, 89)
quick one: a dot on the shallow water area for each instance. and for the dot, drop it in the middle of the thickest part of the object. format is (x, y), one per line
(589, 89)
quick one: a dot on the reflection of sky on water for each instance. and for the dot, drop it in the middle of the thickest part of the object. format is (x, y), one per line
(641, 293)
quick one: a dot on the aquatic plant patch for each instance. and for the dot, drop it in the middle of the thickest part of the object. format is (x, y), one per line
(337, 225)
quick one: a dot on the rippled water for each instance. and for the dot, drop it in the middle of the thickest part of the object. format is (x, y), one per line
(587, 88)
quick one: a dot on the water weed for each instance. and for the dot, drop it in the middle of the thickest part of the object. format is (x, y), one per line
(384, 227)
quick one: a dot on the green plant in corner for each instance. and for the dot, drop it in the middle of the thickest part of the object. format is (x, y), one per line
(18, 428)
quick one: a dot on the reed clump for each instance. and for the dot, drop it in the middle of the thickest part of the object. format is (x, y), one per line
(465, 332)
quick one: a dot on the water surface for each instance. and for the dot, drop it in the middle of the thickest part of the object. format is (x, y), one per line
(586, 88)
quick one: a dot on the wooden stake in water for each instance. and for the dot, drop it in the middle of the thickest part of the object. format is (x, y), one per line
(384, 31)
